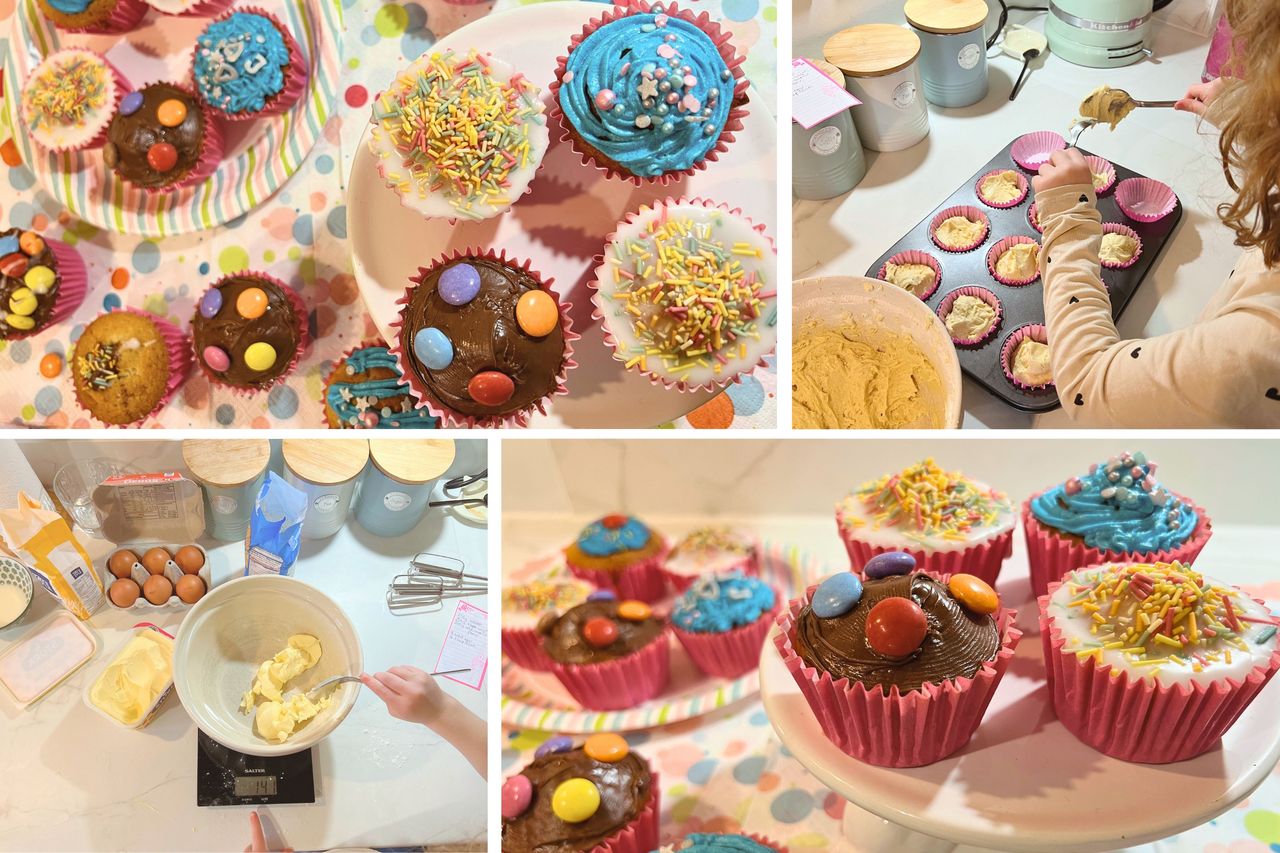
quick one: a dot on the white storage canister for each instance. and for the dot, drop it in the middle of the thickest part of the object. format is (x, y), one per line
(327, 470)
(953, 52)
(230, 473)
(826, 159)
(395, 492)
(880, 69)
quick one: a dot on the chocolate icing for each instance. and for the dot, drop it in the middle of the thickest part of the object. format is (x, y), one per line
(957, 644)
(278, 326)
(485, 336)
(8, 284)
(562, 636)
(624, 792)
(129, 137)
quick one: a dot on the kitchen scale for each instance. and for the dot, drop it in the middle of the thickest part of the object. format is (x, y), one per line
(225, 777)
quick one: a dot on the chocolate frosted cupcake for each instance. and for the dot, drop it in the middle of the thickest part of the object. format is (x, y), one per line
(600, 797)
(366, 390)
(620, 553)
(162, 138)
(608, 654)
(524, 605)
(248, 331)
(41, 282)
(483, 341)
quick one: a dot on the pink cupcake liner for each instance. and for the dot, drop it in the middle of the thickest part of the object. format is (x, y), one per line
(207, 9)
(295, 74)
(970, 213)
(915, 256)
(1002, 246)
(732, 60)
(1033, 218)
(896, 729)
(304, 335)
(210, 149)
(450, 417)
(1032, 150)
(324, 390)
(126, 15)
(1145, 199)
(73, 283)
(1052, 555)
(1024, 187)
(1117, 228)
(121, 88)
(981, 559)
(598, 312)
(620, 684)
(1035, 331)
(1102, 166)
(732, 653)
(523, 646)
(1138, 719)
(749, 565)
(641, 834)
(944, 308)
(643, 580)
(179, 347)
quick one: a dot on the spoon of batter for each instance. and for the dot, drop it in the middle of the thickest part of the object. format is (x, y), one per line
(1108, 105)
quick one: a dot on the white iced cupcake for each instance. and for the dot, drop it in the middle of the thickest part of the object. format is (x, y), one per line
(524, 605)
(711, 551)
(69, 99)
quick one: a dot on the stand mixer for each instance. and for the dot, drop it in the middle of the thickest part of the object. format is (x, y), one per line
(1101, 33)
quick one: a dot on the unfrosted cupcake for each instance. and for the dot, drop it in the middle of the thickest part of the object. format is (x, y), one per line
(94, 16)
(946, 521)
(1153, 662)
(162, 138)
(42, 281)
(1002, 188)
(610, 655)
(620, 553)
(127, 364)
(1014, 260)
(524, 605)
(959, 229)
(248, 331)
(246, 65)
(1121, 246)
(366, 390)
(69, 99)
(711, 550)
(721, 620)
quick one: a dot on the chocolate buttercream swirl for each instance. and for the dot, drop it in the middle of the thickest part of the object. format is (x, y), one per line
(234, 333)
(562, 635)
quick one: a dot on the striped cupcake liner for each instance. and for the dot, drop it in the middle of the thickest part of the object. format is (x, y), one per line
(1101, 166)
(1002, 246)
(179, 348)
(1034, 331)
(949, 301)
(1145, 199)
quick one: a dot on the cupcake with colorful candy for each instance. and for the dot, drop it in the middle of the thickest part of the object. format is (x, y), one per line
(524, 605)
(459, 135)
(247, 65)
(712, 550)
(104, 17)
(722, 621)
(703, 317)
(69, 99)
(620, 553)
(1153, 662)
(946, 521)
(610, 655)
(1117, 512)
(42, 281)
(650, 92)
(366, 390)
(249, 331)
(600, 796)
(722, 842)
(899, 668)
(162, 138)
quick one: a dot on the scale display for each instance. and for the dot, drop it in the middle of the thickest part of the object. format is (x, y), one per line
(225, 777)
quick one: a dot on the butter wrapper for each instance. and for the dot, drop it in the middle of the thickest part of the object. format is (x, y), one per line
(275, 528)
(44, 541)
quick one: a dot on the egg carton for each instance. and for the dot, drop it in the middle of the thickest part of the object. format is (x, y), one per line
(155, 706)
(171, 571)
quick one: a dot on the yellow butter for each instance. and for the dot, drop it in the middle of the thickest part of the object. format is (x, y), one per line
(134, 680)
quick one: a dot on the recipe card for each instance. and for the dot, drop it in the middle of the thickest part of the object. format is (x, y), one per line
(466, 646)
(815, 97)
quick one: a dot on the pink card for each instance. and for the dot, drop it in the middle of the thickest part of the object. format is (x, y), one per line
(815, 97)
(466, 646)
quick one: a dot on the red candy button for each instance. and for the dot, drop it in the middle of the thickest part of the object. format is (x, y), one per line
(613, 522)
(896, 627)
(599, 632)
(491, 388)
(14, 265)
(162, 157)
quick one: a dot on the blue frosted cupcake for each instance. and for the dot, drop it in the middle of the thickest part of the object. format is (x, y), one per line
(247, 65)
(722, 842)
(722, 620)
(366, 390)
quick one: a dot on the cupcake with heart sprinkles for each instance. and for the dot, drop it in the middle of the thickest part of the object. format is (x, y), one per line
(247, 65)
(104, 17)
(249, 331)
(42, 281)
(649, 92)
(163, 138)
(722, 620)
(366, 390)
(70, 98)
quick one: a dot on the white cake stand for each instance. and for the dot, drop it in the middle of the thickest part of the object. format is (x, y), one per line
(1024, 782)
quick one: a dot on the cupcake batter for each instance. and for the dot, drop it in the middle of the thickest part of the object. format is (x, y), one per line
(913, 278)
(1107, 106)
(1031, 363)
(1001, 188)
(957, 232)
(1100, 180)
(1019, 262)
(1117, 248)
(969, 318)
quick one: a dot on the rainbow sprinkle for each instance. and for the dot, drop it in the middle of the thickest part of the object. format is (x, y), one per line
(541, 596)
(65, 92)
(711, 540)
(461, 131)
(929, 502)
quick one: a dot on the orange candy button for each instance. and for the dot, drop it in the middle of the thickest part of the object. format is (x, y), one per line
(974, 593)
(634, 611)
(171, 113)
(51, 365)
(251, 303)
(31, 243)
(606, 747)
(537, 313)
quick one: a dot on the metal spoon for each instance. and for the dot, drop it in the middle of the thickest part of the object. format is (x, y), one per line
(339, 679)
(1027, 56)
(1080, 125)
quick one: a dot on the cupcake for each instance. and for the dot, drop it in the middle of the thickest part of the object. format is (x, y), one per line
(69, 99)
(248, 331)
(523, 605)
(459, 136)
(711, 551)
(898, 669)
(726, 842)
(610, 655)
(127, 364)
(1121, 246)
(946, 521)
(970, 314)
(707, 314)
(1027, 358)
(191, 8)
(600, 797)
(483, 341)
(42, 281)
(649, 92)
(1014, 260)
(1153, 662)
(620, 553)
(94, 16)
(1116, 513)
(915, 272)
(959, 229)
(1003, 188)
(722, 621)
(162, 139)
(366, 390)
(247, 65)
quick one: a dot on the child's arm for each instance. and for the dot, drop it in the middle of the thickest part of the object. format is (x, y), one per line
(414, 696)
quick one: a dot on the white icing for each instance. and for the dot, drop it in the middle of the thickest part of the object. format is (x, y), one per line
(73, 137)
(694, 562)
(881, 536)
(516, 617)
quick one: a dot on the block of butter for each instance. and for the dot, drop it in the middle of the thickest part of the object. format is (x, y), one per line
(136, 680)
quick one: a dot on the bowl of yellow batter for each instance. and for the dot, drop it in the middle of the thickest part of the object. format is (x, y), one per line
(868, 355)
(246, 654)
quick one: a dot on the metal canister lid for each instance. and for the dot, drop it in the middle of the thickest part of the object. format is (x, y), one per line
(412, 461)
(946, 17)
(226, 463)
(872, 50)
(325, 462)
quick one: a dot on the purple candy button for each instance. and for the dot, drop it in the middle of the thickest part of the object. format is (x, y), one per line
(889, 563)
(459, 284)
(130, 103)
(602, 595)
(559, 743)
(211, 303)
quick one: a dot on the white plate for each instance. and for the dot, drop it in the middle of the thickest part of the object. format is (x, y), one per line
(560, 226)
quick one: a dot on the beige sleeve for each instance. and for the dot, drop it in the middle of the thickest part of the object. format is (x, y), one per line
(1206, 375)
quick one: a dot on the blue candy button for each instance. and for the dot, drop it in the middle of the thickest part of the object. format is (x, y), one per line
(889, 563)
(433, 348)
(836, 595)
(559, 743)
(8, 245)
(602, 595)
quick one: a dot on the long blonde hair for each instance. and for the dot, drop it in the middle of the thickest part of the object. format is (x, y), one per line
(1248, 114)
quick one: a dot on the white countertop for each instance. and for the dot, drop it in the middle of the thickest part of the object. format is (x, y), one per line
(842, 237)
(87, 784)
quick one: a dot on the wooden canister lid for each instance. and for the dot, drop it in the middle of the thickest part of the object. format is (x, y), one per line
(325, 462)
(414, 460)
(826, 68)
(226, 462)
(872, 50)
(946, 17)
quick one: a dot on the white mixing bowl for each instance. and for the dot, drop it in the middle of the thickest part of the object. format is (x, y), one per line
(240, 624)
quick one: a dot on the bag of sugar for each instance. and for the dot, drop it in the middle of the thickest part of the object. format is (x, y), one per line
(43, 540)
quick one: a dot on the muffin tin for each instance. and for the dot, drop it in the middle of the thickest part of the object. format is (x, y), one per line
(1024, 304)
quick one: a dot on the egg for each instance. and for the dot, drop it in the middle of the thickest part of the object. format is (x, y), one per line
(190, 588)
(155, 560)
(157, 589)
(121, 563)
(190, 559)
(124, 592)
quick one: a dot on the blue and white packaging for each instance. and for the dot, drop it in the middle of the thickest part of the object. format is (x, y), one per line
(275, 528)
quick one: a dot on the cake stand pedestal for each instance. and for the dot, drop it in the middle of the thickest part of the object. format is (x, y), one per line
(1024, 782)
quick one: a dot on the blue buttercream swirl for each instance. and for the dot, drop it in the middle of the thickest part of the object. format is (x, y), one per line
(600, 541)
(349, 400)
(70, 7)
(620, 83)
(1118, 506)
(240, 63)
(718, 604)
(711, 842)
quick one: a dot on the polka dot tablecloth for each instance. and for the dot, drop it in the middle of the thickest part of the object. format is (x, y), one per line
(299, 236)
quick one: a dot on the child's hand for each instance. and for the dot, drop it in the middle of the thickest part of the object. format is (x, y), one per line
(1201, 96)
(411, 694)
(258, 839)
(1064, 169)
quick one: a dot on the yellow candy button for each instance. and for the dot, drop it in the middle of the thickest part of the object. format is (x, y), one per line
(634, 611)
(23, 301)
(18, 321)
(171, 113)
(251, 303)
(537, 313)
(575, 800)
(606, 747)
(260, 356)
(974, 593)
(30, 243)
(39, 279)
